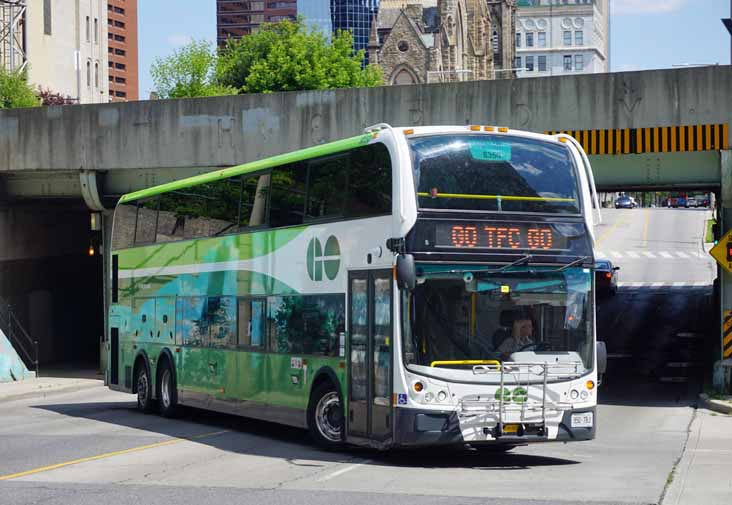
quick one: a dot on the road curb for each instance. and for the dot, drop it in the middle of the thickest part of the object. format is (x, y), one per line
(50, 391)
(715, 405)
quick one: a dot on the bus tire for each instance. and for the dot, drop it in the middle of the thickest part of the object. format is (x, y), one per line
(143, 387)
(325, 416)
(167, 391)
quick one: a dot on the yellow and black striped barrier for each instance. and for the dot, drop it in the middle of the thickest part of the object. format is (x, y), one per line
(727, 335)
(658, 139)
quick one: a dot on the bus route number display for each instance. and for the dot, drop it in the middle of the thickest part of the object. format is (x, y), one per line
(532, 237)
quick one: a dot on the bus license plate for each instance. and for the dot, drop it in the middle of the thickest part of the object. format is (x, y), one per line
(582, 420)
(510, 428)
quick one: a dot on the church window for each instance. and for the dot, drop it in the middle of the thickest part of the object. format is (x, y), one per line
(403, 46)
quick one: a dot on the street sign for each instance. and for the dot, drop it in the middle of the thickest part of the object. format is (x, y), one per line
(722, 252)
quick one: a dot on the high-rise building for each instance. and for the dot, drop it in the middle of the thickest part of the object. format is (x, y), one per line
(556, 37)
(122, 49)
(356, 16)
(316, 14)
(236, 18)
(66, 48)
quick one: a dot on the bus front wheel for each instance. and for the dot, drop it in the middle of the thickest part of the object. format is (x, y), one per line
(325, 416)
(168, 392)
(144, 389)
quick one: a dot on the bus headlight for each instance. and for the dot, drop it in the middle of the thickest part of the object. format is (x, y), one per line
(441, 396)
(428, 397)
(574, 394)
(584, 395)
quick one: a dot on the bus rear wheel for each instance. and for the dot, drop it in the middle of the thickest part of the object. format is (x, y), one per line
(167, 392)
(325, 416)
(144, 390)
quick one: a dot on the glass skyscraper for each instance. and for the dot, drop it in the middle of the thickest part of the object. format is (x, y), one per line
(333, 15)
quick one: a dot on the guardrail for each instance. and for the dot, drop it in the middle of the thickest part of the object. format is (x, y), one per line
(26, 347)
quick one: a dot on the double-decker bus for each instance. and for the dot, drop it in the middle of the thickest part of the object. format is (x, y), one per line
(404, 287)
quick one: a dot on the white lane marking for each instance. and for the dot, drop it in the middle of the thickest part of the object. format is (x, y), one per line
(681, 255)
(632, 254)
(648, 254)
(616, 254)
(679, 284)
(666, 255)
(657, 284)
(339, 472)
(600, 254)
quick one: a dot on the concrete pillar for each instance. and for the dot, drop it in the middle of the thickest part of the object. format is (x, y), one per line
(724, 206)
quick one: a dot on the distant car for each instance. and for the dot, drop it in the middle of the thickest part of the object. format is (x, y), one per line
(682, 202)
(625, 202)
(704, 202)
(606, 277)
(692, 202)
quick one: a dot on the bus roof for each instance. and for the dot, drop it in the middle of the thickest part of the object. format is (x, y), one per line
(254, 166)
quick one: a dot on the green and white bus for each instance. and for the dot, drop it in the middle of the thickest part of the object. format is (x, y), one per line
(405, 287)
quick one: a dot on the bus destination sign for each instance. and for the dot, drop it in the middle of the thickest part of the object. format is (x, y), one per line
(489, 236)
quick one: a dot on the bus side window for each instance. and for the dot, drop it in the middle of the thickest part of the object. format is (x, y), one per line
(369, 182)
(287, 201)
(125, 218)
(221, 315)
(192, 320)
(251, 322)
(147, 221)
(254, 192)
(326, 186)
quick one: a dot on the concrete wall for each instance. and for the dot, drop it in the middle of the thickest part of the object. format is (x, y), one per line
(223, 131)
(11, 366)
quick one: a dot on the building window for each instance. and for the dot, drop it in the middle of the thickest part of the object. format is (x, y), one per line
(568, 62)
(518, 40)
(579, 62)
(529, 63)
(120, 80)
(88, 73)
(120, 94)
(88, 30)
(96, 75)
(541, 39)
(47, 17)
(517, 64)
(578, 38)
(542, 63)
(96, 31)
(567, 38)
(530, 39)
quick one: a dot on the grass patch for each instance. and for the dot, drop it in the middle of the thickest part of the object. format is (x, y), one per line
(708, 236)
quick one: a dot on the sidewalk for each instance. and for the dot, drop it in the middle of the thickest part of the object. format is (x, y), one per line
(703, 476)
(45, 386)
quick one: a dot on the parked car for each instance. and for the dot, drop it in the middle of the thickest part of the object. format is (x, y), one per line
(606, 277)
(692, 202)
(625, 202)
(704, 202)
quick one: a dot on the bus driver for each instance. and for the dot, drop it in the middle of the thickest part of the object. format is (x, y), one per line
(520, 337)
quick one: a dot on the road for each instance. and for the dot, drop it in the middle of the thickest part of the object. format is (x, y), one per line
(92, 446)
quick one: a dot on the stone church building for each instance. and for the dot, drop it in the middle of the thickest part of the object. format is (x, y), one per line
(443, 40)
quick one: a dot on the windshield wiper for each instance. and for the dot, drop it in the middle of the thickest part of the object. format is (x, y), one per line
(576, 262)
(521, 261)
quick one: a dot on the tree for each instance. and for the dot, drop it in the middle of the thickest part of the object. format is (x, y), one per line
(49, 97)
(188, 72)
(15, 91)
(287, 56)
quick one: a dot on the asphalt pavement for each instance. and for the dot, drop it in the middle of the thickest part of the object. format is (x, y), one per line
(92, 446)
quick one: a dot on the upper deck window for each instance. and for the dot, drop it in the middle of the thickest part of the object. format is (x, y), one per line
(494, 173)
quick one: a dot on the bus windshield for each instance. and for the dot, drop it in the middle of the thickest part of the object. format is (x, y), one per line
(494, 173)
(537, 315)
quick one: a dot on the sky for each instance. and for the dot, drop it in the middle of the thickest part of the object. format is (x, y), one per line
(644, 34)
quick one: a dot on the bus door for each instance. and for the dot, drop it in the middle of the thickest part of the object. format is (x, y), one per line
(369, 358)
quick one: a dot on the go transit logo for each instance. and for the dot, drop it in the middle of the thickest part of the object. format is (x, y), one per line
(319, 258)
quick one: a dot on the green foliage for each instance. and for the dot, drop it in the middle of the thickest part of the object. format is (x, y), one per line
(15, 91)
(287, 56)
(188, 72)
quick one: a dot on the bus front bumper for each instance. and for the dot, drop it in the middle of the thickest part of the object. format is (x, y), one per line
(418, 427)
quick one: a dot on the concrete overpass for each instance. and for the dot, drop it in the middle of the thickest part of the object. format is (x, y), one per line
(643, 130)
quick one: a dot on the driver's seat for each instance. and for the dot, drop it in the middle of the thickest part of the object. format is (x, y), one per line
(506, 320)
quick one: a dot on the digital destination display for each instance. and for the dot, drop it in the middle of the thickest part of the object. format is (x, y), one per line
(487, 235)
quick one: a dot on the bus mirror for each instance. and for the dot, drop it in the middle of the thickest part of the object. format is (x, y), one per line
(406, 272)
(601, 358)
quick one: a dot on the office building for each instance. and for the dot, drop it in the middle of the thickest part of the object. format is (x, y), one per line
(316, 14)
(236, 18)
(122, 49)
(560, 37)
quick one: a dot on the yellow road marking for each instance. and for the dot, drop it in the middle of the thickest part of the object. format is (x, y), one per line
(607, 232)
(645, 228)
(108, 455)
